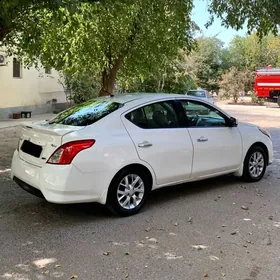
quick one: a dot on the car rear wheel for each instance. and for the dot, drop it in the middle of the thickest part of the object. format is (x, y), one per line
(128, 192)
(278, 101)
(255, 164)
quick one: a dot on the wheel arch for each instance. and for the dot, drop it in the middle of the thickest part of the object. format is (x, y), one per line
(261, 145)
(136, 166)
(239, 172)
(110, 201)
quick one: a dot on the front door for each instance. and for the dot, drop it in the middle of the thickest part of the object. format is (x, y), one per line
(217, 147)
(160, 141)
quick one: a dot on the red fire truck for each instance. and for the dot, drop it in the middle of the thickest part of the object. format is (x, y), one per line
(267, 84)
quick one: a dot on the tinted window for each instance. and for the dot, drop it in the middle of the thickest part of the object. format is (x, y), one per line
(197, 93)
(138, 118)
(86, 113)
(156, 115)
(200, 115)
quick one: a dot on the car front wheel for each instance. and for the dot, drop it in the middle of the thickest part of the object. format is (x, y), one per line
(128, 192)
(255, 164)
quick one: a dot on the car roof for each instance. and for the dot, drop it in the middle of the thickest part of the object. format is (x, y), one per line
(145, 97)
(199, 89)
(133, 100)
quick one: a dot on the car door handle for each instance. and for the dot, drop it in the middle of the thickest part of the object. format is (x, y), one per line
(202, 139)
(145, 144)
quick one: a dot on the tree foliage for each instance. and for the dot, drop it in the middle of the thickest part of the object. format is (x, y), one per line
(207, 61)
(125, 38)
(234, 83)
(11, 10)
(246, 54)
(261, 16)
(252, 52)
(79, 89)
(136, 43)
(175, 78)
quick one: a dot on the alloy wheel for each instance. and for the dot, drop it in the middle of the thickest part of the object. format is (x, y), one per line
(130, 191)
(256, 164)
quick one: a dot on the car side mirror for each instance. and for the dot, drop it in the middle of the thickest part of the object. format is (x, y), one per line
(233, 122)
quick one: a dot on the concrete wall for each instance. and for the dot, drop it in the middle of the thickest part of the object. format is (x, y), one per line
(32, 90)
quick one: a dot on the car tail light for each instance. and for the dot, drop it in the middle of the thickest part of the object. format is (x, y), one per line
(66, 153)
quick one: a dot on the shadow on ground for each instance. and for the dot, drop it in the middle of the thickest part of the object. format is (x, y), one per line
(28, 206)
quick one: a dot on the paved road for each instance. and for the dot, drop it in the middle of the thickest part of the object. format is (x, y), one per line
(193, 231)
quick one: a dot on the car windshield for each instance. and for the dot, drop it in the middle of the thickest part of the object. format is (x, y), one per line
(197, 93)
(86, 113)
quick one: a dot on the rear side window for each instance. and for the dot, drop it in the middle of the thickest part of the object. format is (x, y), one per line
(86, 113)
(156, 115)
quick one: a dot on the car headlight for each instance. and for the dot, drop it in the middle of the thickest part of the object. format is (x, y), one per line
(265, 132)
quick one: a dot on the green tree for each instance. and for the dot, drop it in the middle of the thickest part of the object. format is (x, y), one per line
(11, 10)
(175, 78)
(207, 62)
(234, 83)
(251, 52)
(127, 39)
(79, 89)
(262, 16)
(237, 53)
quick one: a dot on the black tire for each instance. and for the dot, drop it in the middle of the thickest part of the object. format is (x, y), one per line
(113, 203)
(278, 101)
(247, 175)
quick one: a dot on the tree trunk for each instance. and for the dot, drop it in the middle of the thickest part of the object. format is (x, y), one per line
(109, 78)
(4, 30)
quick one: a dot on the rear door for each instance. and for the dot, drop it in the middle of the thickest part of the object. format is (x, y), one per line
(160, 141)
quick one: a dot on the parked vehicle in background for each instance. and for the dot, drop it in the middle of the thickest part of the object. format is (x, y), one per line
(115, 150)
(267, 84)
(202, 94)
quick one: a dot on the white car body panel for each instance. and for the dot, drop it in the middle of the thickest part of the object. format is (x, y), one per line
(47, 136)
(250, 136)
(222, 152)
(176, 141)
(175, 156)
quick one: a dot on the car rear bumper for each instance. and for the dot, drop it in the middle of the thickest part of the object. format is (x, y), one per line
(28, 188)
(58, 183)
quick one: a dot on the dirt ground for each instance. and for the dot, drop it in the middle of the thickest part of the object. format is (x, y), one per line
(8, 142)
(193, 231)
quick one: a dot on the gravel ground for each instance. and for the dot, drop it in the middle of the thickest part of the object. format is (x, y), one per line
(192, 231)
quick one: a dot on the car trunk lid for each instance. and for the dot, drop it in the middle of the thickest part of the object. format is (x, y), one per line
(38, 141)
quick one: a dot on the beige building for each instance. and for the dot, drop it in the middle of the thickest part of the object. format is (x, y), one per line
(23, 89)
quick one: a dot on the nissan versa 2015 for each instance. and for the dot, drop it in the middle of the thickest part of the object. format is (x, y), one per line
(115, 150)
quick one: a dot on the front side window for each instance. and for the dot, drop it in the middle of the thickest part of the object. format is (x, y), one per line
(86, 113)
(156, 115)
(200, 115)
(16, 68)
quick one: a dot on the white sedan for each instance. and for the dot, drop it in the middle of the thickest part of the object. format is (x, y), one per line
(115, 150)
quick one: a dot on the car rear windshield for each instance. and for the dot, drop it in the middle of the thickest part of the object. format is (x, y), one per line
(86, 113)
(197, 93)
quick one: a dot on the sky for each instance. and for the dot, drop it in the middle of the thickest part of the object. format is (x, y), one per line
(200, 15)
